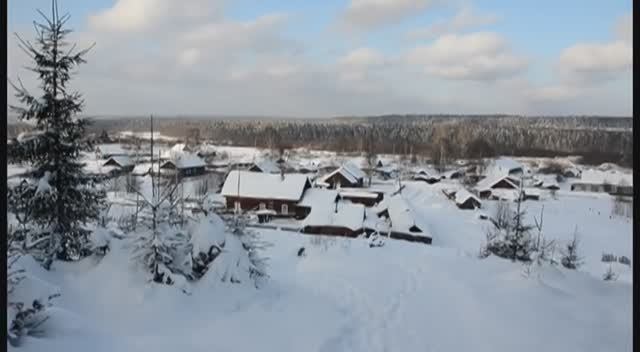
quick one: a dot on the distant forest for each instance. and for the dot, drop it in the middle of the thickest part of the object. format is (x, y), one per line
(597, 139)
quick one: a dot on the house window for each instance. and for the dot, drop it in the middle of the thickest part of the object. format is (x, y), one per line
(237, 206)
(262, 206)
(285, 209)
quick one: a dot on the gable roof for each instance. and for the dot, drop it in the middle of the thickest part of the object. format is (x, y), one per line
(121, 160)
(261, 185)
(318, 197)
(349, 171)
(489, 181)
(462, 195)
(403, 217)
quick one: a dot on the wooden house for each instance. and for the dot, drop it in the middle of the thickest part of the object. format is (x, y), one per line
(120, 163)
(347, 175)
(184, 165)
(246, 190)
(485, 186)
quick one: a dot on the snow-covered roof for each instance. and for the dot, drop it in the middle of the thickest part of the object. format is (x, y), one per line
(403, 217)
(354, 170)
(348, 215)
(185, 161)
(355, 194)
(261, 185)
(268, 166)
(531, 191)
(614, 177)
(349, 171)
(318, 197)
(489, 181)
(144, 168)
(121, 160)
(462, 195)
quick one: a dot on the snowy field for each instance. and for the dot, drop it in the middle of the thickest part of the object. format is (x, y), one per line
(343, 296)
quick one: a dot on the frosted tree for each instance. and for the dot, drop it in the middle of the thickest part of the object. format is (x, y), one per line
(161, 242)
(60, 197)
(570, 257)
(249, 256)
(511, 240)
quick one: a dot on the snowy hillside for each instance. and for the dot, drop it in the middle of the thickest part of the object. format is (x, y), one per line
(342, 296)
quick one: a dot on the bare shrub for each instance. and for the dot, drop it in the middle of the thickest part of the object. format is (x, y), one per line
(622, 206)
(610, 275)
(322, 242)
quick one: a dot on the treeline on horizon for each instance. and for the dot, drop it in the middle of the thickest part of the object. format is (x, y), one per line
(597, 139)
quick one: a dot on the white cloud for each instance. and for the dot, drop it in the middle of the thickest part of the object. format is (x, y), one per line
(362, 57)
(369, 14)
(465, 19)
(599, 62)
(623, 28)
(482, 56)
(144, 15)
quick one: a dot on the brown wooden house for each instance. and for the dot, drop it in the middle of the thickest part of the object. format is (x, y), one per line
(246, 190)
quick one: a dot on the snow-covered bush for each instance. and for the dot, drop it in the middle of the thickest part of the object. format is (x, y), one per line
(570, 258)
(207, 242)
(28, 299)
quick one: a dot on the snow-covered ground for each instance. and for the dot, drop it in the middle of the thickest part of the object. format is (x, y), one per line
(345, 296)
(341, 297)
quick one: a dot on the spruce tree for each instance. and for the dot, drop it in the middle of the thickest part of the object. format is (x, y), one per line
(61, 197)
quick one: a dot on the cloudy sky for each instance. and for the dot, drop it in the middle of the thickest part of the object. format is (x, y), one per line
(344, 57)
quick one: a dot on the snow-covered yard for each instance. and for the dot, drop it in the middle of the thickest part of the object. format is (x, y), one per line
(348, 297)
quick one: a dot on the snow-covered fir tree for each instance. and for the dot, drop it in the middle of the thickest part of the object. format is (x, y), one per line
(570, 257)
(161, 242)
(512, 239)
(60, 198)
